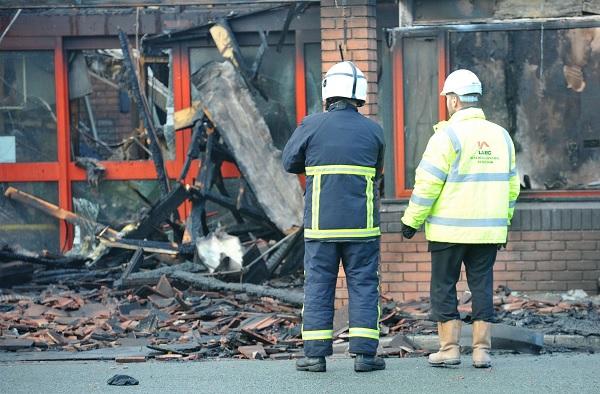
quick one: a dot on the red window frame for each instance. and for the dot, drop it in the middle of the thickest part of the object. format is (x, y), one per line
(401, 191)
(64, 171)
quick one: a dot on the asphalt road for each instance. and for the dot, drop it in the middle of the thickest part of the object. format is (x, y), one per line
(559, 373)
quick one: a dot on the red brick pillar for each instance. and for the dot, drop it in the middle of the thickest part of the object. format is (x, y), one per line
(351, 24)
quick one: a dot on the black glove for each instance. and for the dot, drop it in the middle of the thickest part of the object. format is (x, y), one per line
(407, 231)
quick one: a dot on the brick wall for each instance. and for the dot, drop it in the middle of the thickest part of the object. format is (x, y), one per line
(113, 126)
(351, 24)
(538, 259)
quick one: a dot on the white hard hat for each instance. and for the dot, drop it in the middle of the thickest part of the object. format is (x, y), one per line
(461, 82)
(344, 80)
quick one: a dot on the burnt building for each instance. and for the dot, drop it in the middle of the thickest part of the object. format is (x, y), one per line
(63, 100)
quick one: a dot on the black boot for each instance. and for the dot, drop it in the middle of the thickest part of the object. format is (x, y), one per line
(311, 364)
(364, 363)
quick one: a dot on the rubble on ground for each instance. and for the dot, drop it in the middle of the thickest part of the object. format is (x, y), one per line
(194, 324)
(203, 280)
(181, 322)
(573, 312)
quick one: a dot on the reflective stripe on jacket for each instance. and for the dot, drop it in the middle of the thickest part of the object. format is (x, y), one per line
(467, 184)
(341, 152)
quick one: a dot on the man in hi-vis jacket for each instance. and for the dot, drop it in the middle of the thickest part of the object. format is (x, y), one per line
(465, 191)
(341, 152)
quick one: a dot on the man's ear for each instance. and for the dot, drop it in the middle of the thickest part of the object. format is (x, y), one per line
(454, 100)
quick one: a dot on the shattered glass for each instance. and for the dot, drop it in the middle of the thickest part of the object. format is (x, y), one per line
(24, 226)
(118, 202)
(312, 66)
(105, 123)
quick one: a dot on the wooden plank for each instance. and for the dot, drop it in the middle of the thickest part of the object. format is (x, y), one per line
(127, 3)
(537, 8)
(226, 96)
(226, 43)
(185, 118)
(130, 359)
(134, 263)
(54, 211)
(258, 337)
(146, 246)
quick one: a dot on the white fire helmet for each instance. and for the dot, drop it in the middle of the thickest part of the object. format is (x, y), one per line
(461, 82)
(345, 80)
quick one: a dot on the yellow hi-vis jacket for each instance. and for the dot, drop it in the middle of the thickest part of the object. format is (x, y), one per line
(466, 184)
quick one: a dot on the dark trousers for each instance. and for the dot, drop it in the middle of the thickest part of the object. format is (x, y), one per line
(321, 264)
(445, 271)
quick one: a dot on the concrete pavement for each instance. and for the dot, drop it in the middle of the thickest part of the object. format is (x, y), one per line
(558, 373)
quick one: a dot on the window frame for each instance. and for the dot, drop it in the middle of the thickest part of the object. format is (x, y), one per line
(64, 171)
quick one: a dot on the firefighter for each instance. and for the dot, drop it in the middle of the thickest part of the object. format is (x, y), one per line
(465, 190)
(341, 153)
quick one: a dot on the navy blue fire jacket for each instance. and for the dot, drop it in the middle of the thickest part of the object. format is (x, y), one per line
(341, 151)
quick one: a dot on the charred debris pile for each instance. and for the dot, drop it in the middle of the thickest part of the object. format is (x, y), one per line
(232, 266)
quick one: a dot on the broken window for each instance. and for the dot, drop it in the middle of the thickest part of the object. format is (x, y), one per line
(543, 87)
(24, 226)
(312, 65)
(114, 203)
(27, 107)
(275, 82)
(105, 123)
(159, 82)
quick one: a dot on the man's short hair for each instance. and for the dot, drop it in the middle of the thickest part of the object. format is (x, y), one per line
(331, 100)
(469, 99)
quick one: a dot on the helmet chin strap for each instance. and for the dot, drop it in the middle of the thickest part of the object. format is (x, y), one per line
(354, 79)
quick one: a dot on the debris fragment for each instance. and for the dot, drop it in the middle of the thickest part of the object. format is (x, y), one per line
(122, 380)
(220, 252)
(130, 359)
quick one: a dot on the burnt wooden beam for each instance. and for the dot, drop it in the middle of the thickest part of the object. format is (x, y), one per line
(144, 111)
(63, 262)
(260, 53)
(129, 3)
(160, 212)
(284, 250)
(134, 263)
(146, 246)
(193, 150)
(202, 282)
(228, 98)
(230, 204)
(205, 179)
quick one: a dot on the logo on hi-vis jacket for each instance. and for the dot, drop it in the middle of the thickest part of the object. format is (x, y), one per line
(483, 154)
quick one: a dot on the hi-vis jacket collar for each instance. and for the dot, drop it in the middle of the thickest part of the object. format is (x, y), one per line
(462, 114)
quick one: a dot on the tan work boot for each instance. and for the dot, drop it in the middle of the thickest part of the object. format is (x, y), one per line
(449, 353)
(482, 343)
